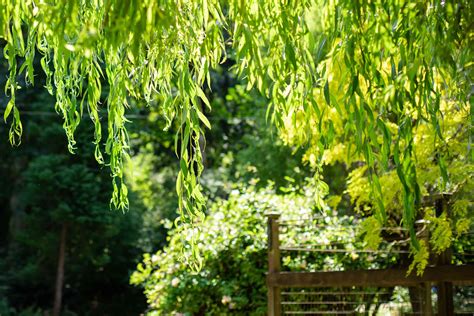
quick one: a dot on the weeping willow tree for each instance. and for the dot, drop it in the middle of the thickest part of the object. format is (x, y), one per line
(396, 62)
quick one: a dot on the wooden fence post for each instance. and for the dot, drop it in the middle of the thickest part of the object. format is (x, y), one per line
(426, 303)
(274, 292)
(445, 289)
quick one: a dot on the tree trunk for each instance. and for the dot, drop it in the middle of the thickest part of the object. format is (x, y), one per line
(58, 290)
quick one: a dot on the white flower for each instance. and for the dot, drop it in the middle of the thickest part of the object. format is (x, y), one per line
(175, 282)
(226, 299)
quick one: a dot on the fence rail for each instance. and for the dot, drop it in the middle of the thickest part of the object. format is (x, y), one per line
(459, 275)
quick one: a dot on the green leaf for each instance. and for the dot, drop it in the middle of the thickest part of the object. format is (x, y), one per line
(203, 97)
(443, 169)
(9, 108)
(290, 53)
(326, 92)
(203, 119)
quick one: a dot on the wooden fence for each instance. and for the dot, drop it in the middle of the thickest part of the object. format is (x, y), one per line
(443, 275)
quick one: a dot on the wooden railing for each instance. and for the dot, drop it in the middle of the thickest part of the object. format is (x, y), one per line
(443, 275)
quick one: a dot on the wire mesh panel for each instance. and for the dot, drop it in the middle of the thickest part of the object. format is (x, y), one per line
(370, 301)
(350, 301)
(319, 243)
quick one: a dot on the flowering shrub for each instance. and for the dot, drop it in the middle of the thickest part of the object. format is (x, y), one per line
(233, 245)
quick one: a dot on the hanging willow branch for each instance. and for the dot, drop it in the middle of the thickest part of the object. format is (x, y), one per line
(395, 62)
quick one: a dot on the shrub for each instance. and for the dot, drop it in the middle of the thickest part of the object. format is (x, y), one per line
(233, 246)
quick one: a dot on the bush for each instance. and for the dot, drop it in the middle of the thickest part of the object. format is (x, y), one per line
(233, 245)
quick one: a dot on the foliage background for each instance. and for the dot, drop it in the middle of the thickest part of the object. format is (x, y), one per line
(377, 115)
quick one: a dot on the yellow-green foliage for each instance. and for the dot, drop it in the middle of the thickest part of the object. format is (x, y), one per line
(420, 259)
(407, 140)
(441, 233)
(370, 230)
(389, 80)
(357, 187)
(461, 208)
(462, 225)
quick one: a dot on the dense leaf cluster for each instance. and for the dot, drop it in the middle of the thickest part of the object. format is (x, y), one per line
(396, 63)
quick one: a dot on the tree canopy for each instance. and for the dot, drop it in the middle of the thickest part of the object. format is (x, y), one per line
(369, 74)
